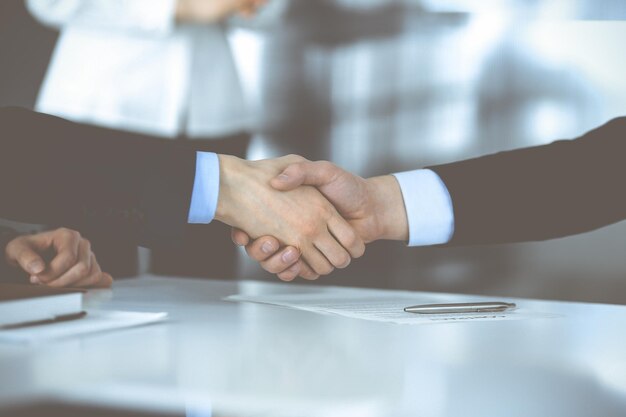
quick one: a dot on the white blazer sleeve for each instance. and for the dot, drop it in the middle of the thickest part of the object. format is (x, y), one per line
(269, 15)
(154, 16)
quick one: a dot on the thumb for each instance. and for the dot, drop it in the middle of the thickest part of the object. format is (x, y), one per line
(25, 255)
(292, 177)
(317, 174)
(239, 237)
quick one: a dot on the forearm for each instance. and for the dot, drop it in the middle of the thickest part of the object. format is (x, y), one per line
(391, 220)
(539, 193)
(53, 171)
(7, 273)
(152, 16)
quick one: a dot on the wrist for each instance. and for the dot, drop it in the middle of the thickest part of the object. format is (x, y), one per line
(388, 208)
(230, 166)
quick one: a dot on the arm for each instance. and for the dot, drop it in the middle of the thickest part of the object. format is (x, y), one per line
(49, 175)
(147, 16)
(144, 188)
(6, 273)
(537, 193)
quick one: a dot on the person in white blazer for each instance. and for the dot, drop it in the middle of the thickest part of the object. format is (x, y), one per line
(162, 68)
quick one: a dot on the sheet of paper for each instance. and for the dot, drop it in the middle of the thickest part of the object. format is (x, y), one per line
(95, 321)
(388, 308)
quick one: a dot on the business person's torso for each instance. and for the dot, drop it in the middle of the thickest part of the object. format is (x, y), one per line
(181, 82)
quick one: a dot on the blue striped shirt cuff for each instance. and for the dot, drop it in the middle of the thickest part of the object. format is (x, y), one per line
(206, 188)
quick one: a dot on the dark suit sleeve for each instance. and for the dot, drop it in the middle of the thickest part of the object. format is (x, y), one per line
(53, 171)
(7, 272)
(539, 193)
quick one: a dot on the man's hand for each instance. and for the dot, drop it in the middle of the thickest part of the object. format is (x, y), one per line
(299, 217)
(374, 207)
(73, 264)
(212, 11)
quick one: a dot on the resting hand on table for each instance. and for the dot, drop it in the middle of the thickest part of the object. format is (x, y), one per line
(374, 207)
(73, 264)
(299, 217)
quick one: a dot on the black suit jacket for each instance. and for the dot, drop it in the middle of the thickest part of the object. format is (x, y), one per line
(543, 192)
(8, 273)
(53, 172)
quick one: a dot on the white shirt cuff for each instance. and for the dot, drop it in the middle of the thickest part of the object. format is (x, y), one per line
(428, 207)
(206, 188)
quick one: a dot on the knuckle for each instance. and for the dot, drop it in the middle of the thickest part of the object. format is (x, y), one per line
(326, 269)
(324, 165)
(254, 252)
(70, 259)
(11, 246)
(322, 214)
(295, 157)
(82, 269)
(343, 261)
(311, 276)
(360, 251)
(309, 229)
(350, 239)
(69, 233)
(271, 267)
(286, 276)
(105, 281)
(326, 168)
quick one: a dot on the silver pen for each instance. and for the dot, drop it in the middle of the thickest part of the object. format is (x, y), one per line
(482, 307)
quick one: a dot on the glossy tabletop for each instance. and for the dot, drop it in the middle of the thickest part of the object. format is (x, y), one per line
(219, 358)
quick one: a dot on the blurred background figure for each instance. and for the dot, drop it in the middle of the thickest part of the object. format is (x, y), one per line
(162, 68)
(380, 86)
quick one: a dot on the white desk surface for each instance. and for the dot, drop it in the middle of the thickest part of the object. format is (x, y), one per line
(260, 360)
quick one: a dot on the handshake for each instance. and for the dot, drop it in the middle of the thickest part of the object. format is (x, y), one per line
(295, 217)
(303, 218)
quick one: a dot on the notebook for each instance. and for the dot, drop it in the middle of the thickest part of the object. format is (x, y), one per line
(24, 304)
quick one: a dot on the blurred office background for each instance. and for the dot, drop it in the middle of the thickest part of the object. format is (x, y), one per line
(379, 86)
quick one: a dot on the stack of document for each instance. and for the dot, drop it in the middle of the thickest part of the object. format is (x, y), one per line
(35, 314)
(24, 304)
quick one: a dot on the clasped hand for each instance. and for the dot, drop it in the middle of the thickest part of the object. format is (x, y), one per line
(72, 262)
(312, 209)
(300, 218)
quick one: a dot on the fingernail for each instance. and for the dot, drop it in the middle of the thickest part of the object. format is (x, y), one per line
(289, 256)
(34, 280)
(35, 267)
(267, 247)
(283, 177)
